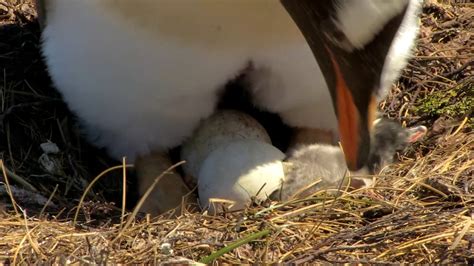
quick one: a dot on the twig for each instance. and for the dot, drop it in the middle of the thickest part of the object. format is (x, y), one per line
(49, 200)
(17, 178)
(21, 105)
(338, 248)
(89, 187)
(458, 70)
(7, 184)
(144, 197)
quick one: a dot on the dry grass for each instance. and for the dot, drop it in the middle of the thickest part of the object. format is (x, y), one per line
(420, 210)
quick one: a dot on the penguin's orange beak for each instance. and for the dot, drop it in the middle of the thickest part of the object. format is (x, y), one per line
(353, 75)
(354, 122)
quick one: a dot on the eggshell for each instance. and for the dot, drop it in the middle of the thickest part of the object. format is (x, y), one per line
(239, 170)
(221, 128)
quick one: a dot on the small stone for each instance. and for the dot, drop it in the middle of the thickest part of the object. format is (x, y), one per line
(49, 147)
(166, 249)
(49, 164)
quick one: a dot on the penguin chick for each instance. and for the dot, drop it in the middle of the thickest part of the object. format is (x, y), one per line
(318, 166)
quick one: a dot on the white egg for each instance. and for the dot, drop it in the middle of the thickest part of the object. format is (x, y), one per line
(238, 171)
(219, 129)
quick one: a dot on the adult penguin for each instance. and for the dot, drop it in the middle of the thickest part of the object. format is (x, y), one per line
(141, 74)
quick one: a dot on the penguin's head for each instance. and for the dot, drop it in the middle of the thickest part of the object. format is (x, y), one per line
(361, 47)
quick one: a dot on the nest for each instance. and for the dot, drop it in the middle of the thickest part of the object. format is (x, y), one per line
(420, 209)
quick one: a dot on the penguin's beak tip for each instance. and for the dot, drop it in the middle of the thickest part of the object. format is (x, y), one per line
(354, 127)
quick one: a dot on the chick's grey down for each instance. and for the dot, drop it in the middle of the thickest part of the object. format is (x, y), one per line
(311, 163)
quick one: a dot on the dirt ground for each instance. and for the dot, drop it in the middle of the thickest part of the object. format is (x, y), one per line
(420, 211)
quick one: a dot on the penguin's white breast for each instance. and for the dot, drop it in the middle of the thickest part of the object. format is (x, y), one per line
(141, 74)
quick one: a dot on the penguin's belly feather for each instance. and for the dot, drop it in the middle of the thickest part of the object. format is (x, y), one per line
(141, 76)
